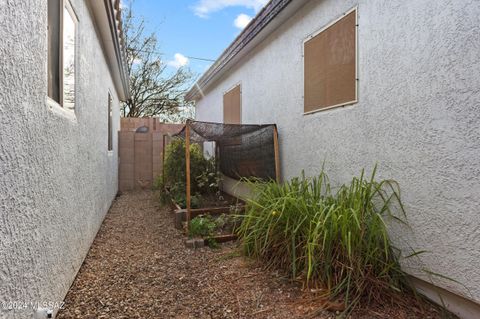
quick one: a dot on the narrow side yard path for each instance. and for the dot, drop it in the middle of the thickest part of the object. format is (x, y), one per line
(138, 267)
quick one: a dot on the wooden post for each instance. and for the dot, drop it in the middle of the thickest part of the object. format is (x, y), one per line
(187, 171)
(163, 160)
(277, 156)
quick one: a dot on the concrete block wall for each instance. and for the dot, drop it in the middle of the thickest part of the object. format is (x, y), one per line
(141, 154)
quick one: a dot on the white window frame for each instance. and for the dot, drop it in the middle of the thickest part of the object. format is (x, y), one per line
(110, 121)
(58, 107)
(67, 5)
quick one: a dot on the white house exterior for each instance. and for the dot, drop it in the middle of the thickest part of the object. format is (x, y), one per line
(416, 113)
(58, 165)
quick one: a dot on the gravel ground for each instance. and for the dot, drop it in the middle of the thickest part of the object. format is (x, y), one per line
(138, 267)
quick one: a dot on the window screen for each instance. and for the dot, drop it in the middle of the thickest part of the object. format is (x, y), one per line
(330, 66)
(232, 110)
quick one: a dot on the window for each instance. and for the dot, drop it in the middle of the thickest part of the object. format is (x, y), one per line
(110, 126)
(62, 26)
(330, 65)
(232, 111)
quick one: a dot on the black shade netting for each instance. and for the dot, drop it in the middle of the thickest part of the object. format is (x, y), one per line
(242, 151)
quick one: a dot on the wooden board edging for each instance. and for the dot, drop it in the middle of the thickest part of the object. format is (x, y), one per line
(221, 238)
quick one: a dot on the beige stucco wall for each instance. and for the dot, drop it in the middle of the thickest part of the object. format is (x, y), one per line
(418, 117)
(57, 179)
(235, 187)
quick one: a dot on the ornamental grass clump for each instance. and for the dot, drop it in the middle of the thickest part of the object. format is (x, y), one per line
(336, 240)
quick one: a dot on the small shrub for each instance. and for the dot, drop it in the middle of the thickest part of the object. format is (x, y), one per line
(228, 223)
(204, 178)
(158, 183)
(202, 226)
(206, 226)
(212, 243)
(208, 181)
(195, 201)
(159, 187)
(179, 198)
(337, 240)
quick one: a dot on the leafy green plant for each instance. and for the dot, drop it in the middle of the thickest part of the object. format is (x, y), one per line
(202, 226)
(209, 180)
(195, 201)
(337, 240)
(206, 226)
(181, 200)
(158, 183)
(212, 243)
(204, 178)
(228, 223)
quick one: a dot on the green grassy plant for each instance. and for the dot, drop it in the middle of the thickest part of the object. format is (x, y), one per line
(336, 240)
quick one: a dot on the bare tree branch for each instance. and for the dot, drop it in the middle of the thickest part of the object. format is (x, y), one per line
(154, 90)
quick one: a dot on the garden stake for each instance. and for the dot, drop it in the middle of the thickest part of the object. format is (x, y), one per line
(277, 157)
(187, 161)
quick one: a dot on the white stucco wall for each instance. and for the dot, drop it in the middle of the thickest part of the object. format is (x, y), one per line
(57, 179)
(418, 117)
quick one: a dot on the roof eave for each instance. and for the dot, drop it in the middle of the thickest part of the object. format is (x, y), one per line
(265, 22)
(107, 18)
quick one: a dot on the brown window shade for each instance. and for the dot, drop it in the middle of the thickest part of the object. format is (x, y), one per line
(232, 111)
(330, 66)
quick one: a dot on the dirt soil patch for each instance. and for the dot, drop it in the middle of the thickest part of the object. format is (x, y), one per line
(224, 200)
(214, 200)
(138, 267)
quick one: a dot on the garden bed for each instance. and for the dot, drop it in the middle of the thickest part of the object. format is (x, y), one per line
(192, 177)
(208, 201)
(212, 229)
(151, 275)
(212, 224)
